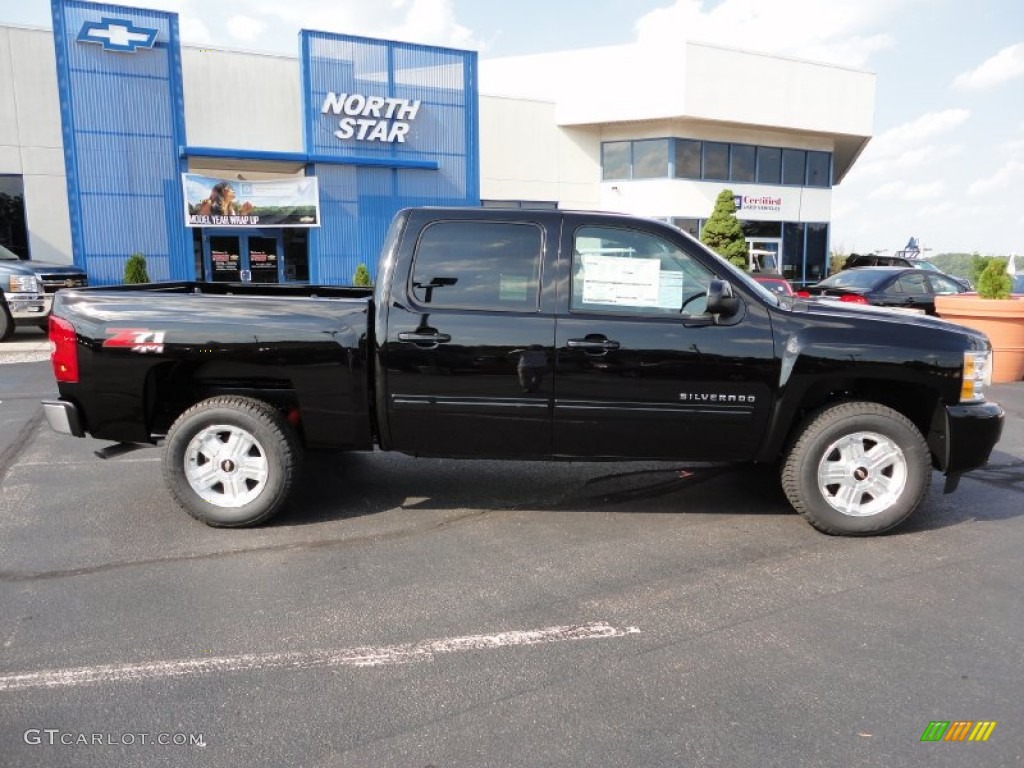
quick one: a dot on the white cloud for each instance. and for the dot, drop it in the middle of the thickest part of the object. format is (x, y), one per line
(908, 137)
(1006, 65)
(924, 191)
(1010, 176)
(245, 28)
(845, 32)
(430, 22)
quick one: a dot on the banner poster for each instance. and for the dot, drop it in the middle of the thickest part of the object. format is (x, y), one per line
(213, 202)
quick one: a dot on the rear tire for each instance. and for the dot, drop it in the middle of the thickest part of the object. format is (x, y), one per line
(231, 461)
(856, 469)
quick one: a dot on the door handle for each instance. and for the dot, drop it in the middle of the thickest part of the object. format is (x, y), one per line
(424, 337)
(593, 345)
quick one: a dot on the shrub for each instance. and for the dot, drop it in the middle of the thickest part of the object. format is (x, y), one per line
(723, 232)
(993, 282)
(135, 270)
(362, 276)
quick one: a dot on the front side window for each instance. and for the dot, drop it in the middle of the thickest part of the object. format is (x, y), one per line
(478, 265)
(911, 284)
(632, 272)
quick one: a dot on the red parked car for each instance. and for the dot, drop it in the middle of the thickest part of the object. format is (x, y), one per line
(775, 283)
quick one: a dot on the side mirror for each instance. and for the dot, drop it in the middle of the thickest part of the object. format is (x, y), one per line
(721, 300)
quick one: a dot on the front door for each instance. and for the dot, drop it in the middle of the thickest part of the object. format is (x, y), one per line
(641, 370)
(232, 256)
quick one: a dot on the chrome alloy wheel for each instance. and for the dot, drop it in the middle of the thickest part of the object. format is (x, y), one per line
(862, 474)
(226, 465)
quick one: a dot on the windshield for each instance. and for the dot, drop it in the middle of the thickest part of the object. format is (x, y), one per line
(926, 265)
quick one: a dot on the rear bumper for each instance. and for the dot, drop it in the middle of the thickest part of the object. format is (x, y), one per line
(972, 431)
(63, 417)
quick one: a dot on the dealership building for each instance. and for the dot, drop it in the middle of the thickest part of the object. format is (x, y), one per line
(219, 164)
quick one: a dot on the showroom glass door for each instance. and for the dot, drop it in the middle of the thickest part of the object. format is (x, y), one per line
(765, 254)
(243, 256)
(223, 258)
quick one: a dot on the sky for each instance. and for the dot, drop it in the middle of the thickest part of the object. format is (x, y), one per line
(946, 161)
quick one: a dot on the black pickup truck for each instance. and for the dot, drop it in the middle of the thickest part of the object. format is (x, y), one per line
(526, 335)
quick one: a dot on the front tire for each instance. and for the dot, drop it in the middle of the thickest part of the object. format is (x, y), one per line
(231, 461)
(6, 323)
(857, 468)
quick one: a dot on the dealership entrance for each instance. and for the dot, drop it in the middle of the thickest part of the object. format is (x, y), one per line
(255, 256)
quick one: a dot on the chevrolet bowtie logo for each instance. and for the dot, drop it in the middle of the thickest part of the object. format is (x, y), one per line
(117, 35)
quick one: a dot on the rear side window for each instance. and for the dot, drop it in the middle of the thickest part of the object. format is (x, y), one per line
(478, 265)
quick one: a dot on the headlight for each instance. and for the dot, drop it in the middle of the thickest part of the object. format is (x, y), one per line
(977, 374)
(24, 284)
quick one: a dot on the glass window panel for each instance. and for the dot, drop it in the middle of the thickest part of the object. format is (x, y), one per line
(769, 165)
(793, 251)
(631, 272)
(794, 163)
(817, 252)
(689, 226)
(742, 162)
(716, 161)
(761, 228)
(650, 159)
(818, 169)
(615, 160)
(687, 159)
(478, 265)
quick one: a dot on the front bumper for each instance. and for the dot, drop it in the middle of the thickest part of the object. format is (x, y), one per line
(29, 306)
(971, 432)
(63, 417)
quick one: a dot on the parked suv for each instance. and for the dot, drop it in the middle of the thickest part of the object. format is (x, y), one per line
(879, 260)
(27, 289)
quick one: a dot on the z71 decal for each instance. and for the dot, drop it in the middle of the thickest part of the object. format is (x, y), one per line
(136, 339)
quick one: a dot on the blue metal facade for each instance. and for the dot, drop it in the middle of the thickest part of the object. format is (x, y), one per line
(123, 117)
(123, 120)
(363, 183)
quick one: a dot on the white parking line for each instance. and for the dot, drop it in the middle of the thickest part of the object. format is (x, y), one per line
(348, 657)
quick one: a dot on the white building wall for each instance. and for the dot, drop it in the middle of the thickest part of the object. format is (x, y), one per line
(30, 138)
(756, 88)
(242, 100)
(524, 155)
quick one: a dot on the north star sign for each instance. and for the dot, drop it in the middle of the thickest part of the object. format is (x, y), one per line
(371, 118)
(117, 35)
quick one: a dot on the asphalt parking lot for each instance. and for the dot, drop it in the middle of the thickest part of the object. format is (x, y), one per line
(411, 612)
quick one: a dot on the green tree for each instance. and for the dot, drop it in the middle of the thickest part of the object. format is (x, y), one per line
(722, 232)
(362, 276)
(135, 270)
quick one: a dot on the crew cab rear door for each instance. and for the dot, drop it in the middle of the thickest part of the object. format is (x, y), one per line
(641, 370)
(469, 340)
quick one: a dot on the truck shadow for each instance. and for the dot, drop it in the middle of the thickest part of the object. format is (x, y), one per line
(343, 486)
(353, 485)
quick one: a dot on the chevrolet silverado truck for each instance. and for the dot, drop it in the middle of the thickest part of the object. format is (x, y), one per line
(27, 287)
(550, 335)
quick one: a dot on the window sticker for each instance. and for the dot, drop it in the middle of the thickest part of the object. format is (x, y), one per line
(621, 281)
